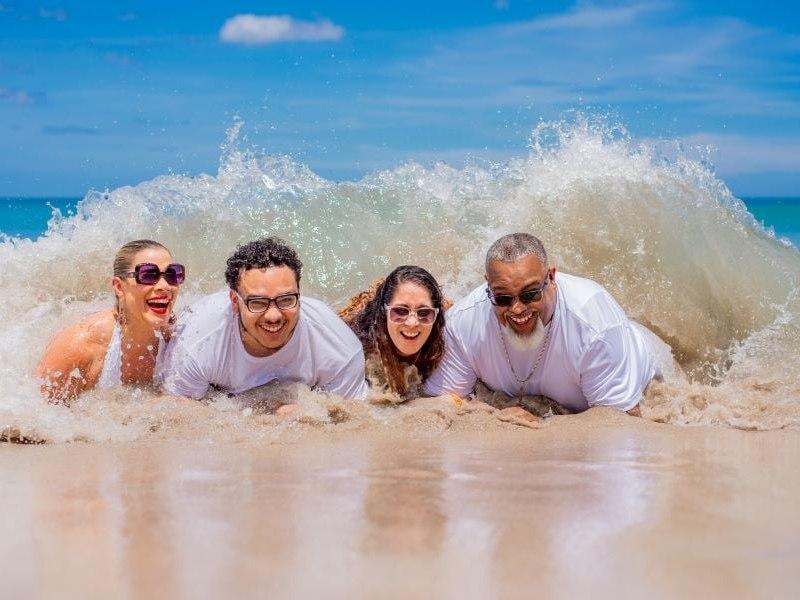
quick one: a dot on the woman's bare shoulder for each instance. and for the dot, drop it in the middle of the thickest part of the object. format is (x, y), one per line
(72, 361)
(94, 329)
(98, 327)
(87, 335)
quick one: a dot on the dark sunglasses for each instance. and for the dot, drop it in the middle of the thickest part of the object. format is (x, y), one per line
(526, 297)
(261, 304)
(149, 274)
(400, 314)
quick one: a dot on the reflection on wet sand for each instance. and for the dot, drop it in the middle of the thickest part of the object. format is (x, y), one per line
(581, 507)
(137, 489)
(402, 502)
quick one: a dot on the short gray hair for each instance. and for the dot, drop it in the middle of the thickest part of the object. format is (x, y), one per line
(512, 247)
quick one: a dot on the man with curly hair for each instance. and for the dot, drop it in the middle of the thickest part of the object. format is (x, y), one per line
(262, 330)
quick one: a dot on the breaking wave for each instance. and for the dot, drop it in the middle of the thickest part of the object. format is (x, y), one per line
(650, 222)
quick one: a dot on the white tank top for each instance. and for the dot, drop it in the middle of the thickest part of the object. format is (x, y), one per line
(111, 375)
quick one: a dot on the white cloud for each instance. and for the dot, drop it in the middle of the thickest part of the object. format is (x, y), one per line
(260, 30)
(590, 17)
(740, 154)
(639, 53)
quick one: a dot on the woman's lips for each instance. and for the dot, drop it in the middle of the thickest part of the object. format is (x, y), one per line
(410, 335)
(159, 306)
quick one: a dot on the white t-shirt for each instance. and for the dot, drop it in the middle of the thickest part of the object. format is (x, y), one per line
(593, 354)
(207, 350)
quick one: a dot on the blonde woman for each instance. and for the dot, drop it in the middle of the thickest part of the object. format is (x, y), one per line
(124, 344)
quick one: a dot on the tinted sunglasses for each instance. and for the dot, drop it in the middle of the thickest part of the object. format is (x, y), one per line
(401, 314)
(149, 274)
(526, 297)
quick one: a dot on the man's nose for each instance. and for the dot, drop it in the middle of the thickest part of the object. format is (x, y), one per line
(273, 313)
(518, 307)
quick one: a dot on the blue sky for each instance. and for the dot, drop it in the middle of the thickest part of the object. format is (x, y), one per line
(98, 95)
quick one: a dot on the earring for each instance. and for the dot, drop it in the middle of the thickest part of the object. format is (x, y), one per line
(121, 313)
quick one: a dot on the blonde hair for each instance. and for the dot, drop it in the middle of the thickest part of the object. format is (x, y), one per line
(123, 261)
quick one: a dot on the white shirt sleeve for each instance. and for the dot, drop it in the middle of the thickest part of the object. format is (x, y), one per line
(184, 377)
(350, 381)
(613, 371)
(455, 373)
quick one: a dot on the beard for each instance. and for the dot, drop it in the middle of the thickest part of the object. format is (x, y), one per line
(526, 343)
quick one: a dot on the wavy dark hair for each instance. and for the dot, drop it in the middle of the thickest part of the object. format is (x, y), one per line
(370, 325)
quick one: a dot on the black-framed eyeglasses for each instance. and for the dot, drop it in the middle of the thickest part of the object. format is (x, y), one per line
(400, 314)
(149, 274)
(261, 304)
(526, 297)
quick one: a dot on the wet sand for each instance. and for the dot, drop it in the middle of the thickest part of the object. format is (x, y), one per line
(593, 505)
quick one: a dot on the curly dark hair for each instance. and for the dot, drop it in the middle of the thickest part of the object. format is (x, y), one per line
(260, 254)
(370, 327)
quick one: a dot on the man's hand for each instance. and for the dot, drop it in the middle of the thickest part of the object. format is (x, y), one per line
(286, 410)
(518, 416)
(635, 411)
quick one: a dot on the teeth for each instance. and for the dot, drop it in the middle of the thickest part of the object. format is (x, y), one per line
(410, 336)
(272, 328)
(521, 320)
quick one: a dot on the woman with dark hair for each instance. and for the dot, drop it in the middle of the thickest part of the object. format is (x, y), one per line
(123, 344)
(400, 322)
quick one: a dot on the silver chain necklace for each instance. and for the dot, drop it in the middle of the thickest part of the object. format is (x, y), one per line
(542, 348)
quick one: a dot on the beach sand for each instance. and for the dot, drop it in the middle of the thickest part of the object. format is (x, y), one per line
(593, 505)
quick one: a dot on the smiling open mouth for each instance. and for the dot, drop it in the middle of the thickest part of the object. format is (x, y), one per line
(410, 336)
(271, 327)
(521, 320)
(160, 306)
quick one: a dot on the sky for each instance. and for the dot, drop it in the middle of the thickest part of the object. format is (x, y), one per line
(99, 95)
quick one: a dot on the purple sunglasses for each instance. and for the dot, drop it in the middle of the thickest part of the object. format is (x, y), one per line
(149, 274)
